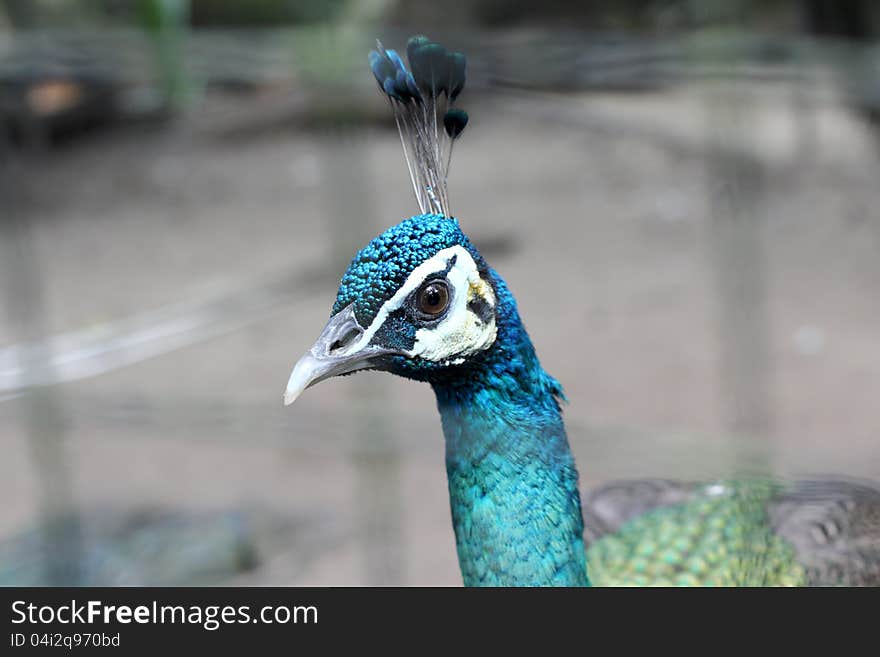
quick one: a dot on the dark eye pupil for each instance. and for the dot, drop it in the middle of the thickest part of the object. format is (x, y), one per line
(433, 299)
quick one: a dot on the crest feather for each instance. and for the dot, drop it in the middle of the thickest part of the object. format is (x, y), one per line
(422, 100)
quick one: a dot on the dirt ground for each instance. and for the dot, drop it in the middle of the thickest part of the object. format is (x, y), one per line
(184, 269)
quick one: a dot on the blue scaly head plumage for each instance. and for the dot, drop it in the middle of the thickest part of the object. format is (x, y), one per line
(420, 301)
(382, 268)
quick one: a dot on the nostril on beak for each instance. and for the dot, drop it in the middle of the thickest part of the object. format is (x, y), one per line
(348, 338)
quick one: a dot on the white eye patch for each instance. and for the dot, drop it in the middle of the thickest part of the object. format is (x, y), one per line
(461, 332)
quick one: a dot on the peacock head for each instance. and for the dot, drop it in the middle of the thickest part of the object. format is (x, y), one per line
(417, 301)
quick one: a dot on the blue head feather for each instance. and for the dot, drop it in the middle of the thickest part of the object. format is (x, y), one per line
(381, 267)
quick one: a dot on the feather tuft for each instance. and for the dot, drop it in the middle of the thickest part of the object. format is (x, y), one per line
(454, 122)
(421, 98)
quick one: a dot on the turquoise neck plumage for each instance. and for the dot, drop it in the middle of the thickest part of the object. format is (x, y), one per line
(513, 485)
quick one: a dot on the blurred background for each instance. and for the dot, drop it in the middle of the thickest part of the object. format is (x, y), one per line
(682, 195)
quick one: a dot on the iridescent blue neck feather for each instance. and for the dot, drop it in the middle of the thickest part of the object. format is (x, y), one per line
(513, 485)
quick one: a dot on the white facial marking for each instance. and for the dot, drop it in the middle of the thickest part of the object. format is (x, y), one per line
(461, 332)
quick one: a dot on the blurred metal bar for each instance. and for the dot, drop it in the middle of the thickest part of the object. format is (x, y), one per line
(43, 408)
(378, 489)
(736, 253)
(348, 202)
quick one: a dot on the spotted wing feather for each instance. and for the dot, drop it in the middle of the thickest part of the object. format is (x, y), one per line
(834, 528)
(608, 507)
(820, 532)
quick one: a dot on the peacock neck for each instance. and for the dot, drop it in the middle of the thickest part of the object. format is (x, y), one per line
(513, 484)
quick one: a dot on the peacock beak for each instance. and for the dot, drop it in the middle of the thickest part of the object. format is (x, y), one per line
(338, 350)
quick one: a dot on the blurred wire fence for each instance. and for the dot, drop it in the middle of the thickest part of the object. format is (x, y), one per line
(703, 207)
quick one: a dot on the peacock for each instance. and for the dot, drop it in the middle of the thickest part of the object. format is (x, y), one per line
(420, 301)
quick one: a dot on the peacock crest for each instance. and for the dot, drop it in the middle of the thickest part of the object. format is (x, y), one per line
(422, 98)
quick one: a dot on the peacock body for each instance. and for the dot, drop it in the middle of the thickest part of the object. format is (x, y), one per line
(750, 532)
(420, 301)
(719, 537)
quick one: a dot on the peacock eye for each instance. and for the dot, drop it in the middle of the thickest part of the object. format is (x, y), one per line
(433, 298)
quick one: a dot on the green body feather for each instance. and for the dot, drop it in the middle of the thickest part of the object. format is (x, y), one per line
(722, 537)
